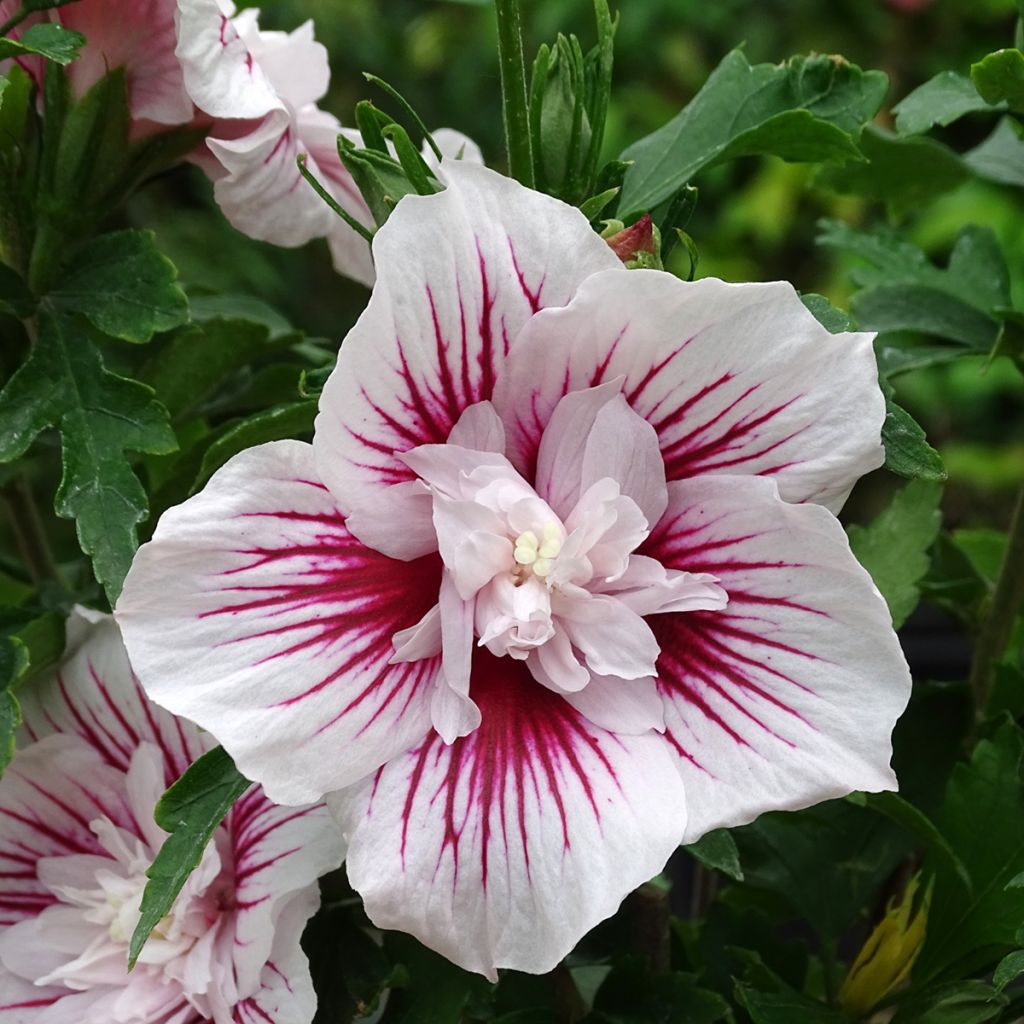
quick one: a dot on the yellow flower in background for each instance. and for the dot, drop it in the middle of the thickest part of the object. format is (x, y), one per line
(887, 956)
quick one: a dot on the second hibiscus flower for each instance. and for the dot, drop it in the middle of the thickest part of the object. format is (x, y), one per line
(558, 585)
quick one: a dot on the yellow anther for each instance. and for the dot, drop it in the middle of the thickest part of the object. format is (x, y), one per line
(552, 545)
(541, 567)
(526, 548)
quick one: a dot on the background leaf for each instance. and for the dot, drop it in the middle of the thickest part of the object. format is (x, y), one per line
(894, 547)
(902, 290)
(999, 78)
(52, 41)
(124, 285)
(717, 850)
(809, 108)
(940, 101)
(983, 821)
(101, 417)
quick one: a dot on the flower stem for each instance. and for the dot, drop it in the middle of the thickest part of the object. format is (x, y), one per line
(29, 533)
(515, 107)
(1007, 600)
(14, 22)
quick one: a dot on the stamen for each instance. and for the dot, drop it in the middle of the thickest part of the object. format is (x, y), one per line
(526, 548)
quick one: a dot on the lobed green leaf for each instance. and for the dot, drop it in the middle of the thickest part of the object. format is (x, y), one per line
(124, 286)
(808, 109)
(101, 417)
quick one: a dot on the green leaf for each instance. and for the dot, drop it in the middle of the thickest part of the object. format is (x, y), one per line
(49, 40)
(435, 990)
(999, 78)
(962, 1002)
(983, 821)
(631, 994)
(190, 811)
(717, 850)
(833, 319)
(907, 451)
(202, 356)
(14, 660)
(823, 865)
(940, 101)
(894, 547)
(788, 1007)
(1010, 968)
(808, 109)
(15, 297)
(124, 285)
(1000, 157)
(100, 417)
(279, 423)
(918, 824)
(902, 290)
(904, 173)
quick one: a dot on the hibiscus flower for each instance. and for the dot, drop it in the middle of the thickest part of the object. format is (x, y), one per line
(78, 835)
(558, 585)
(261, 89)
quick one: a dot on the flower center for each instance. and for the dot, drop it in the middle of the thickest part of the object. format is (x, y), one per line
(535, 555)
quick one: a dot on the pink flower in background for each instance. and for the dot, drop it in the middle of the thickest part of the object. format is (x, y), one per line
(77, 835)
(557, 587)
(262, 88)
(138, 35)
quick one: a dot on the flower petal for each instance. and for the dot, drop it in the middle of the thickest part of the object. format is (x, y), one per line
(505, 848)
(479, 428)
(279, 853)
(788, 696)
(398, 522)
(613, 640)
(351, 252)
(454, 146)
(735, 379)
(459, 273)
(49, 795)
(623, 446)
(262, 192)
(285, 994)
(93, 694)
(254, 612)
(452, 711)
(140, 36)
(220, 73)
(628, 707)
(648, 588)
(295, 64)
(564, 442)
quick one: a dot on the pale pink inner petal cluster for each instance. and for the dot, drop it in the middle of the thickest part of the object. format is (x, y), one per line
(551, 579)
(78, 837)
(557, 586)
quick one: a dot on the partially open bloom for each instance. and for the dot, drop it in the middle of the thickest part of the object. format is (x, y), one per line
(77, 835)
(261, 89)
(558, 585)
